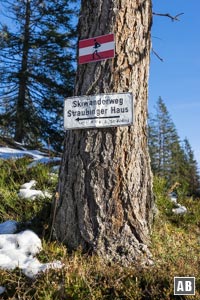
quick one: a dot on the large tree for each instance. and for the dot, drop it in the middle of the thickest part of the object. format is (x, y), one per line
(37, 73)
(105, 186)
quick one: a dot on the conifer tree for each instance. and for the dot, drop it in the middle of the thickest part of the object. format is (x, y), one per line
(162, 139)
(192, 169)
(178, 171)
(36, 69)
(169, 158)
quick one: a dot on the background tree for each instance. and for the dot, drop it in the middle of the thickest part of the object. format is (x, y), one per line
(162, 139)
(170, 158)
(105, 185)
(37, 70)
(192, 170)
(178, 171)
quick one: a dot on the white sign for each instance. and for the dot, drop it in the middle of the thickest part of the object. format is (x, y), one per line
(104, 110)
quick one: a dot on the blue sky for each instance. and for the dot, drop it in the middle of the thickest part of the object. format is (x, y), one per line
(177, 79)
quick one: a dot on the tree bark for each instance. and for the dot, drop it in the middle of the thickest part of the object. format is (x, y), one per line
(105, 184)
(23, 77)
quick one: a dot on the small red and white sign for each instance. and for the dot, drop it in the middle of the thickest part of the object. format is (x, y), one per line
(97, 48)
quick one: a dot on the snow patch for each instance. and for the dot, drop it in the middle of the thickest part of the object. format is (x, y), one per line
(2, 289)
(8, 153)
(33, 194)
(28, 185)
(9, 226)
(27, 193)
(37, 156)
(180, 210)
(44, 160)
(19, 250)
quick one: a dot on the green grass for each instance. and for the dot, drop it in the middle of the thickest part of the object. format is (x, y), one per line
(175, 248)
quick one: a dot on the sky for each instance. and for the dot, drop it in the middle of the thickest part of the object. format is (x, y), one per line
(177, 78)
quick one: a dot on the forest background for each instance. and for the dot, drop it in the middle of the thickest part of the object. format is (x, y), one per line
(38, 47)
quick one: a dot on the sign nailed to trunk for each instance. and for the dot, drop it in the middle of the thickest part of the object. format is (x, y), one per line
(97, 48)
(104, 110)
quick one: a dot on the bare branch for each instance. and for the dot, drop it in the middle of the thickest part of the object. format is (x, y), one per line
(156, 54)
(173, 18)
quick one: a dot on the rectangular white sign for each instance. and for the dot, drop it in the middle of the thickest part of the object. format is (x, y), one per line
(103, 110)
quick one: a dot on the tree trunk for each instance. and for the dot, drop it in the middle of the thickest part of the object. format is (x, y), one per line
(23, 77)
(105, 185)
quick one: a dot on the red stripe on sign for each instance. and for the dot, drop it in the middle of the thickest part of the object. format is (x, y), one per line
(102, 55)
(100, 39)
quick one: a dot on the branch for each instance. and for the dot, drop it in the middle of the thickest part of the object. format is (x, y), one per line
(156, 54)
(173, 18)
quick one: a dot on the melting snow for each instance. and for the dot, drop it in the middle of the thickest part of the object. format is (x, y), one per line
(6, 153)
(33, 194)
(2, 289)
(27, 192)
(38, 156)
(173, 197)
(9, 226)
(44, 160)
(28, 185)
(19, 250)
(180, 210)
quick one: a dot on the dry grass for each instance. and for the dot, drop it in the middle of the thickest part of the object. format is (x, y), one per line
(175, 248)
